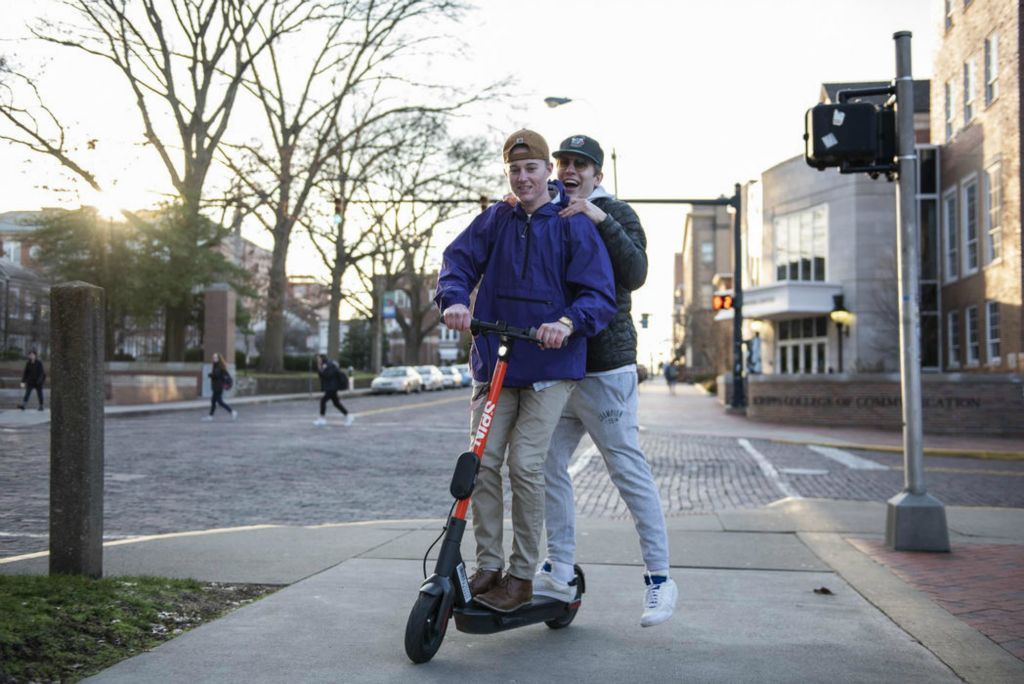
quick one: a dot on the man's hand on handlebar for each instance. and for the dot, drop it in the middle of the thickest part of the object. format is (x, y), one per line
(457, 317)
(552, 335)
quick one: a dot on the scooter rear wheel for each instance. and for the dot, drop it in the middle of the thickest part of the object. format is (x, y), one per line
(564, 620)
(425, 629)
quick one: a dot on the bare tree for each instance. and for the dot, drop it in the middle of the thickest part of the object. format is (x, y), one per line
(184, 62)
(320, 120)
(419, 192)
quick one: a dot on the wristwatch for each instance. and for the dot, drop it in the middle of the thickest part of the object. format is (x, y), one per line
(567, 322)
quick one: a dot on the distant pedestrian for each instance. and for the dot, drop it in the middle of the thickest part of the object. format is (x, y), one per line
(332, 380)
(671, 376)
(33, 379)
(220, 380)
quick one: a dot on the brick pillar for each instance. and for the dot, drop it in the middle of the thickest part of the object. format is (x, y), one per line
(76, 430)
(218, 329)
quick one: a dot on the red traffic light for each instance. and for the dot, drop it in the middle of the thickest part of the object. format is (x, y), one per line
(721, 301)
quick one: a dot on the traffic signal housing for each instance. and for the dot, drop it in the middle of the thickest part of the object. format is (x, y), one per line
(721, 301)
(854, 136)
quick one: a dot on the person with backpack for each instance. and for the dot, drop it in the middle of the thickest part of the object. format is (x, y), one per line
(332, 380)
(33, 379)
(220, 380)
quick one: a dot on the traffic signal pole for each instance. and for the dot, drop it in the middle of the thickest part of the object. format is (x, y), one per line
(915, 520)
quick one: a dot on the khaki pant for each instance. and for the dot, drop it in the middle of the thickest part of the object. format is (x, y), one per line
(523, 422)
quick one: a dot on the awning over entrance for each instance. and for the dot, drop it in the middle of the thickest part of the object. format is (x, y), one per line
(787, 299)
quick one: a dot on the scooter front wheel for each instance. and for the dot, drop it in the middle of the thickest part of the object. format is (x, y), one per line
(566, 618)
(425, 629)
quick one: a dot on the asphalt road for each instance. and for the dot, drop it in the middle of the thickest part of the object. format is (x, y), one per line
(171, 472)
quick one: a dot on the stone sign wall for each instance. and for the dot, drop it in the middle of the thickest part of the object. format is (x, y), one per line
(990, 403)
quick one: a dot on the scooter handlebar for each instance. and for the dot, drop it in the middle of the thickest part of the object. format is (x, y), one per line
(502, 328)
(478, 327)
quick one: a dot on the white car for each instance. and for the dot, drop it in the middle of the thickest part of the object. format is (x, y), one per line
(433, 378)
(397, 379)
(467, 374)
(452, 377)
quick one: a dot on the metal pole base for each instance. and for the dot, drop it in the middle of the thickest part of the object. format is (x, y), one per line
(916, 522)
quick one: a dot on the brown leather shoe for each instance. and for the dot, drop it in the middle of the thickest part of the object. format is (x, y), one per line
(483, 581)
(511, 594)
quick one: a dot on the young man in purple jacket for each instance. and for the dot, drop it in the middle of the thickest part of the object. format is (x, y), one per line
(536, 269)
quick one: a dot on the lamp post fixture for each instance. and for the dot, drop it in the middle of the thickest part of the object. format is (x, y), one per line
(842, 318)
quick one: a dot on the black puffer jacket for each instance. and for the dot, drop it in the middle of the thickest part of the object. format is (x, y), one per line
(615, 346)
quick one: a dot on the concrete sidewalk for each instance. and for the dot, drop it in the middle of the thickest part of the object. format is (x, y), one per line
(747, 611)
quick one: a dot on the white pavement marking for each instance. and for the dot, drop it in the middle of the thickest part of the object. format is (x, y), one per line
(768, 469)
(580, 463)
(804, 471)
(846, 458)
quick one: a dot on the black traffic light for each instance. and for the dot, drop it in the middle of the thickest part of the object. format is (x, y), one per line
(643, 320)
(855, 136)
(721, 301)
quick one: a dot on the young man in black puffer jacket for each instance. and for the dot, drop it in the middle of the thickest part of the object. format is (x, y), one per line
(604, 403)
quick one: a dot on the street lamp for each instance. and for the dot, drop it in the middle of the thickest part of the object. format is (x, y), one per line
(842, 318)
(553, 102)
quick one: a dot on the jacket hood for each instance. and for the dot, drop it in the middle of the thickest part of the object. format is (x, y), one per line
(600, 193)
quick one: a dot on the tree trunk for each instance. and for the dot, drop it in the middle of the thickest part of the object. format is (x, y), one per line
(175, 324)
(378, 331)
(272, 356)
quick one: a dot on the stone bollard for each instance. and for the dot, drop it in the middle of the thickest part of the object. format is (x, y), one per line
(76, 430)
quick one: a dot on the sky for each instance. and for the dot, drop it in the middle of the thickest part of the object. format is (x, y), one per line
(693, 96)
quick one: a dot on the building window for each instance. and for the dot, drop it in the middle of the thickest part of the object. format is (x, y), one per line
(948, 101)
(801, 244)
(970, 224)
(991, 68)
(970, 76)
(951, 236)
(992, 332)
(973, 345)
(801, 346)
(11, 250)
(949, 14)
(707, 252)
(993, 212)
(706, 292)
(953, 336)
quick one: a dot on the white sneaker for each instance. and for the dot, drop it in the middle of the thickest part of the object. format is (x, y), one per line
(546, 584)
(349, 418)
(319, 421)
(234, 415)
(207, 419)
(659, 602)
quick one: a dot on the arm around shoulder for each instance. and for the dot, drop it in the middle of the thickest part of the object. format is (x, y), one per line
(626, 241)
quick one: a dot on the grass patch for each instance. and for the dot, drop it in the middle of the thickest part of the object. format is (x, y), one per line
(63, 628)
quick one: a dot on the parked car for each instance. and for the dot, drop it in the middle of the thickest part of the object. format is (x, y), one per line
(397, 379)
(452, 377)
(467, 374)
(433, 378)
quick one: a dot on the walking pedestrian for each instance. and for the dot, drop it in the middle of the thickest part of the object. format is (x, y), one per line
(604, 404)
(33, 379)
(671, 376)
(332, 379)
(220, 380)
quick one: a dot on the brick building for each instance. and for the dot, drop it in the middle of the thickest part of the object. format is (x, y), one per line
(976, 116)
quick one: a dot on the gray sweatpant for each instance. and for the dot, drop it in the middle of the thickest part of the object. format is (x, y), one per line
(606, 407)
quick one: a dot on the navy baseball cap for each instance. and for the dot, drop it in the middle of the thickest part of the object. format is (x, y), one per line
(582, 146)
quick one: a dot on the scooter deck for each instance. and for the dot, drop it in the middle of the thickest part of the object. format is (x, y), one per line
(475, 619)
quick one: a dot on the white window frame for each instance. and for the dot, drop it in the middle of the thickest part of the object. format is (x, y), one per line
(707, 251)
(970, 83)
(993, 356)
(991, 69)
(992, 212)
(948, 97)
(953, 339)
(965, 240)
(973, 336)
(950, 243)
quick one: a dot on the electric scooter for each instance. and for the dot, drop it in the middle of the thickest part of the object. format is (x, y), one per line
(446, 592)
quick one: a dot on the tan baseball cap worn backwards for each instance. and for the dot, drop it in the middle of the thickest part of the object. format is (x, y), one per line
(525, 144)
